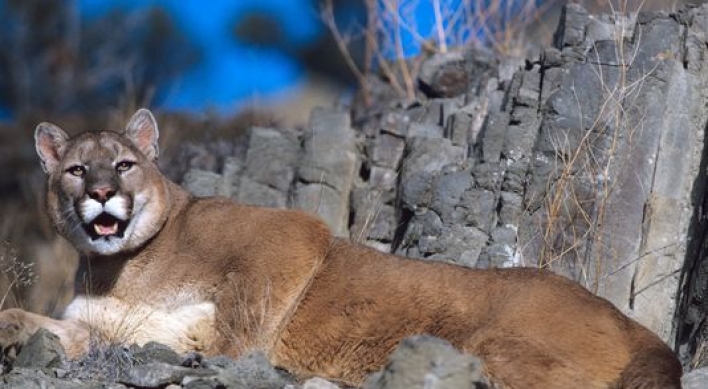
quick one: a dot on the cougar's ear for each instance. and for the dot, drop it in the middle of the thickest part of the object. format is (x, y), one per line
(50, 142)
(142, 131)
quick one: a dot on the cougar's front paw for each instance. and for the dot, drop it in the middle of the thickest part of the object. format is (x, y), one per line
(15, 330)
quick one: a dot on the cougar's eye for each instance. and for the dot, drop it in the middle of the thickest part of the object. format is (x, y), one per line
(77, 170)
(124, 166)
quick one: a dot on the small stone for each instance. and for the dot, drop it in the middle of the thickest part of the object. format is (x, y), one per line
(444, 75)
(24, 378)
(253, 370)
(552, 58)
(318, 383)
(41, 351)
(157, 352)
(383, 247)
(192, 359)
(61, 373)
(158, 374)
(200, 383)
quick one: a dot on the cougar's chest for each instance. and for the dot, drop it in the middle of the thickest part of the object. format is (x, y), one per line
(181, 321)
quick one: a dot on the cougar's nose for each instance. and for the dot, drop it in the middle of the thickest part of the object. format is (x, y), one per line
(102, 193)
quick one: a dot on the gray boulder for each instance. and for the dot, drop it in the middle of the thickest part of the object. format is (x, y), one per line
(696, 379)
(426, 362)
(41, 351)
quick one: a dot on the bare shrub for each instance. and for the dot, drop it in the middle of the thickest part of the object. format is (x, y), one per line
(393, 38)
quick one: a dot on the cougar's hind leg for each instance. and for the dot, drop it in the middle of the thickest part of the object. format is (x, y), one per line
(512, 361)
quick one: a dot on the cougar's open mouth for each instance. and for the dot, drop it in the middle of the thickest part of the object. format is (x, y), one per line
(105, 225)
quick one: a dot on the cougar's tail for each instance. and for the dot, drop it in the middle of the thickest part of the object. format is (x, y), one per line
(654, 367)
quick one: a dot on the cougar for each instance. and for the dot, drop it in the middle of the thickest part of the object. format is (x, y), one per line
(212, 276)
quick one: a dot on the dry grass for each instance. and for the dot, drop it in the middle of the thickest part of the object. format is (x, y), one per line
(103, 362)
(370, 209)
(576, 215)
(700, 357)
(16, 275)
(113, 332)
(244, 318)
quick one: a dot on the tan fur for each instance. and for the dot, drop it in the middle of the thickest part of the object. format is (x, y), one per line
(217, 277)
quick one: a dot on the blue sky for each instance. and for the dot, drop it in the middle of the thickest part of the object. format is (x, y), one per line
(230, 73)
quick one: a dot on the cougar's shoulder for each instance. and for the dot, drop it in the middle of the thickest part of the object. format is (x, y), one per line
(221, 226)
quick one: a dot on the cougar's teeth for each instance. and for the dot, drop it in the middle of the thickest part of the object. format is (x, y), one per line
(105, 230)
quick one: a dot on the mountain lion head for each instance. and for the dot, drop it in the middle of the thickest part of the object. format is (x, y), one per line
(105, 192)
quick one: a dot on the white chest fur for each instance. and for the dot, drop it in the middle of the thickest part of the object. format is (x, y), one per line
(185, 327)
